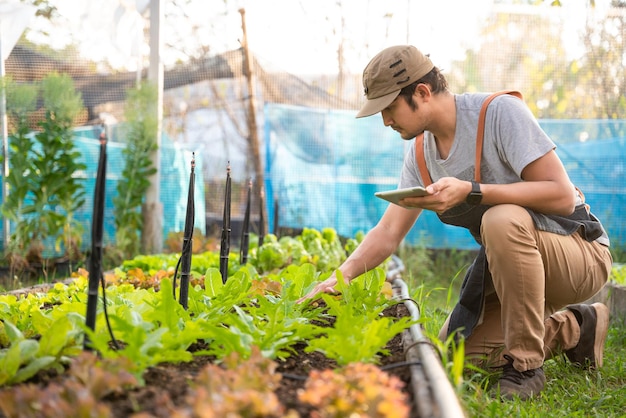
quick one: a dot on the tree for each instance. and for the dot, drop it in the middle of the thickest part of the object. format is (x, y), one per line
(603, 62)
(526, 52)
(521, 52)
(140, 133)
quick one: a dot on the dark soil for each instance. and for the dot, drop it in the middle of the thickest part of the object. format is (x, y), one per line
(167, 385)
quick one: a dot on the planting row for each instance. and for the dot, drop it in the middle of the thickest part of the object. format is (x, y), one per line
(244, 325)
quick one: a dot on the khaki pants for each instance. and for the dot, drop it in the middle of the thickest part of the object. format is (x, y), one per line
(535, 274)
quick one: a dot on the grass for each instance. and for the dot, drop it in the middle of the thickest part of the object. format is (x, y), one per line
(434, 279)
(618, 275)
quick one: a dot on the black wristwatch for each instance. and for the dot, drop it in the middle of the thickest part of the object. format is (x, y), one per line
(475, 196)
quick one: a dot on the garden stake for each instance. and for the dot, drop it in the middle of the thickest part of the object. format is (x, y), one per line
(95, 258)
(185, 255)
(225, 242)
(245, 230)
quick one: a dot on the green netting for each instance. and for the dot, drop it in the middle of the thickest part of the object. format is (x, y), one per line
(323, 168)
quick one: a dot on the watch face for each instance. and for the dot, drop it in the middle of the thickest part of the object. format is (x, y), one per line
(474, 198)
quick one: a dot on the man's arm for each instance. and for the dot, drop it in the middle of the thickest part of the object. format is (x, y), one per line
(546, 188)
(379, 243)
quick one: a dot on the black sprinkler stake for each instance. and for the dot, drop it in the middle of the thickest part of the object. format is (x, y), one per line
(95, 257)
(187, 250)
(225, 241)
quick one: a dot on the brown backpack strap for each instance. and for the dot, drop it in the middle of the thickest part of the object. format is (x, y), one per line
(480, 133)
(421, 160)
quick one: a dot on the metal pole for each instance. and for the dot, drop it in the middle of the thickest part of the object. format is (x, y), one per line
(152, 238)
(6, 230)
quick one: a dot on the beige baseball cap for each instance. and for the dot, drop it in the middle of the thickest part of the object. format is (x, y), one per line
(388, 72)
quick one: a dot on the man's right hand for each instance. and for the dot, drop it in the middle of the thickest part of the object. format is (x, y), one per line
(327, 286)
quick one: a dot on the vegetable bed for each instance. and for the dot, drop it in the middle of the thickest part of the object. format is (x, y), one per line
(243, 347)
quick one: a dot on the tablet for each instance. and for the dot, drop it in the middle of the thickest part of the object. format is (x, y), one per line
(394, 196)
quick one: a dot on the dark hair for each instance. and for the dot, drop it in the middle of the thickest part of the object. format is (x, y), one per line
(435, 79)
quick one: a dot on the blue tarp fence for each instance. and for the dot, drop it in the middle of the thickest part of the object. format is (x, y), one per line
(174, 174)
(323, 167)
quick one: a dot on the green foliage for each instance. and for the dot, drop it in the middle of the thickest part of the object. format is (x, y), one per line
(270, 255)
(538, 65)
(21, 360)
(244, 323)
(21, 99)
(618, 274)
(151, 263)
(618, 252)
(255, 318)
(49, 191)
(36, 339)
(274, 325)
(160, 331)
(90, 380)
(61, 99)
(453, 359)
(140, 134)
(352, 243)
(248, 311)
(44, 172)
(320, 248)
(358, 333)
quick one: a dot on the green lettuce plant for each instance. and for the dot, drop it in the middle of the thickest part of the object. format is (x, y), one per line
(90, 380)
(252, 316)
(358, 333)
(20, 361)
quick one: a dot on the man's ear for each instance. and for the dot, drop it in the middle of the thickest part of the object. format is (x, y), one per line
(422, 90)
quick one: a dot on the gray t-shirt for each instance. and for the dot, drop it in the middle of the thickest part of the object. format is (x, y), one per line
(512, 140)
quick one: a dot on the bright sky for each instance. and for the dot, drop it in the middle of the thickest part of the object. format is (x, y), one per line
(298, 36)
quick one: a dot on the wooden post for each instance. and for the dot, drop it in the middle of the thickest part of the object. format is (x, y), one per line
(253, 135)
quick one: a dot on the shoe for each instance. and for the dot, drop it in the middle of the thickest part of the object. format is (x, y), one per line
(523, 385)
(594, 325)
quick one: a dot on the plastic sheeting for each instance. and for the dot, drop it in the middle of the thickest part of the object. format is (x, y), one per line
(173, 187)
(174, 184)
(324, 166)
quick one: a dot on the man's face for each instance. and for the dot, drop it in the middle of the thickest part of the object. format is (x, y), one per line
(403, 119)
